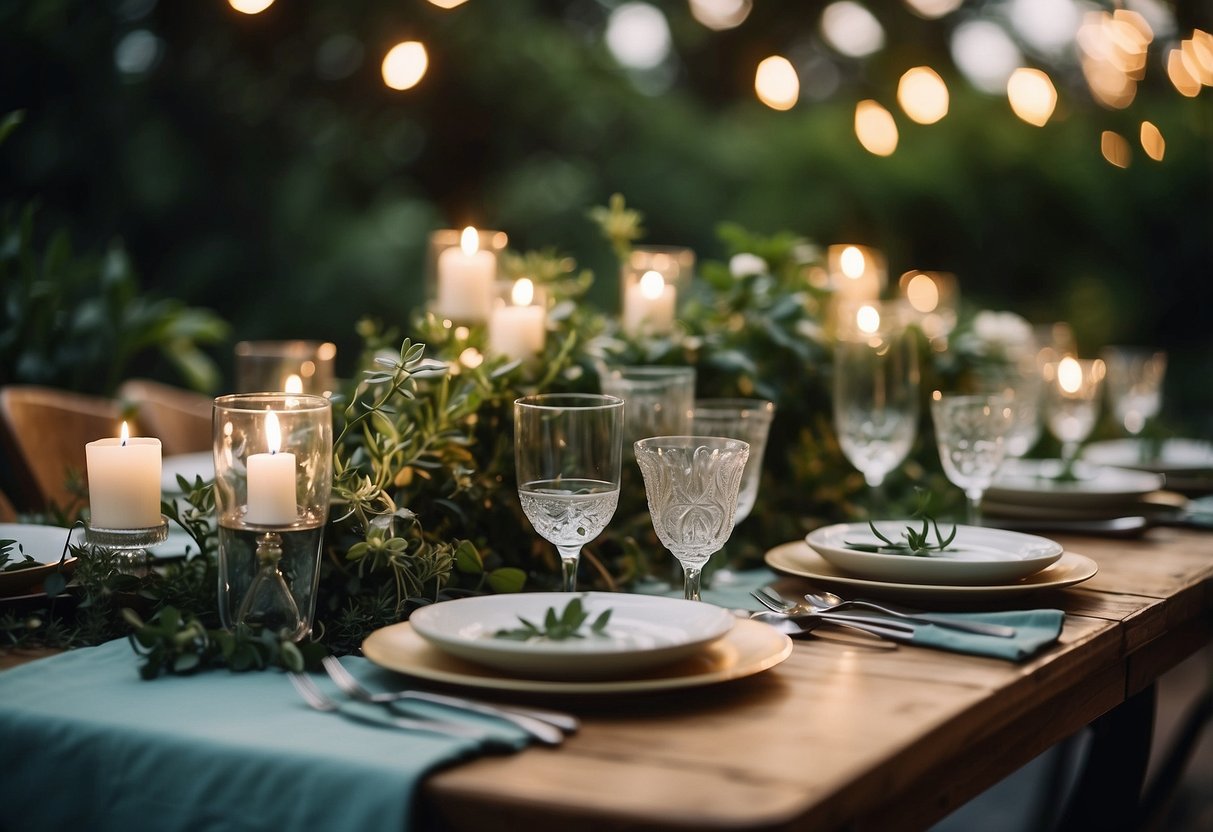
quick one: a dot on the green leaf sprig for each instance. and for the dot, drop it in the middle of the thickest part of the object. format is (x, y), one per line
(6, 548)
(915, 541)
(557, 626)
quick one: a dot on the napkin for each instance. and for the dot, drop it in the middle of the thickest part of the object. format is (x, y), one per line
(90, 745)
(1034, 630)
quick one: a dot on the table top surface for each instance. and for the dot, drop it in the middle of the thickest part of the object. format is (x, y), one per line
(844, 735)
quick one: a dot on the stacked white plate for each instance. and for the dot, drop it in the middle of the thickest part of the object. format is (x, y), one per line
(1031, 490)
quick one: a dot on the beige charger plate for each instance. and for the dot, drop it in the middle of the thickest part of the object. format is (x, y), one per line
(749, 647)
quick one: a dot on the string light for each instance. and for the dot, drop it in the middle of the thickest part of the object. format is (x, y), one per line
(405, 64)
(1032, 95)
(875, 128)
(776, 83)
(923, 95)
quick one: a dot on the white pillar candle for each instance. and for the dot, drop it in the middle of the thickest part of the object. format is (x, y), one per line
(516, 330)
(648, 305)
(124, 482)
(465, 280)
(271, 481)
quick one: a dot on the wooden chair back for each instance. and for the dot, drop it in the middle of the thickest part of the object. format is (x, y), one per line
(179, 418)
(43, 432)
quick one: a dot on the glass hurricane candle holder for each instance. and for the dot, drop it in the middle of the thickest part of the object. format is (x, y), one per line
(273, 479)
(655, 279)
(1072, 405)
(130, 545)
(933, 298)
(461, 273)
(518, 321)
(288, 366)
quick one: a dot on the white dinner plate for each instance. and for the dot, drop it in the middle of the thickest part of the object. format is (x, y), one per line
(977, 556)
(1176, 456)
(200, 464)
(1033, 482)
(42, 543)
(643, 631)
(797, 558)
(750, 647)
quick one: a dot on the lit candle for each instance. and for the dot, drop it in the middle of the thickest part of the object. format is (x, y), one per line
(465, 280)
(124, 482)
(271, 481)
(516, 329)
(648, 305)
(856, 272)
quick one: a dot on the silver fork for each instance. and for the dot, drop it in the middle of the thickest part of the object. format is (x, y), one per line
(793, 610)
(768, 597)
(320, 701)
(546, 726)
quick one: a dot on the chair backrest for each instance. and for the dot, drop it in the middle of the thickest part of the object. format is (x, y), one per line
(44, 431)
(180, 419)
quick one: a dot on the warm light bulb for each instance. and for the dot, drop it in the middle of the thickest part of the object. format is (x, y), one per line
(125, 433)
(922, 293)
(273, 433)
(923, 95)
(523, 292)
(652, 284)
(776, 83)
(250, 6)
(852, 262)
(469, 241)
(867, 319)
(293, 385)
(1032, 95)
(1069, 375)
(405, 64)
(875, 128)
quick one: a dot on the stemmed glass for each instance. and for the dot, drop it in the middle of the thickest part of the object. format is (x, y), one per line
(567, 452)
(875, 390)
(691, 483)
(971, 434)
(1135, 385)
(1073, 403)
(746, 419)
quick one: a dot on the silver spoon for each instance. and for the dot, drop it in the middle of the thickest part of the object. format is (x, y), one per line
(824, 601)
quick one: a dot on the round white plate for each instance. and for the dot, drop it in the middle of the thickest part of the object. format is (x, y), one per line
(977, 556)
(200, 464)
(643, 631)
(796, 558)
(1177, 455)
(750, 647)
(42, 543)
(1033, 482)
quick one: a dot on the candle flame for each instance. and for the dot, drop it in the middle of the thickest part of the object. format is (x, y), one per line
(867, 319)
(125, 433)
(922, 293)
(293, 384)
(1069, 375)
(523, 292)
(652, 284)
(469, 241)
(851, 261)
(273, 433)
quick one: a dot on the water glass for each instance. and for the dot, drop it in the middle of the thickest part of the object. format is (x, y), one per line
(1072, 402)
(659, 399)
(273, 480)
(1022, 385)
(567, 452)
(691, 483)
(746, 419)
(1135, 379)
(289, 366)
(970, 432)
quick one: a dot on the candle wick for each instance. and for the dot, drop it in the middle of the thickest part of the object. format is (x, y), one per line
(123, 445)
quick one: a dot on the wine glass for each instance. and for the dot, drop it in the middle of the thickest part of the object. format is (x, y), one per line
(970, 432)
(658, 398)
(1019, 382)
(1135, 385)
(1072, 404)
(691, 483)
(567, 452)
(875, 390)
(746, 419)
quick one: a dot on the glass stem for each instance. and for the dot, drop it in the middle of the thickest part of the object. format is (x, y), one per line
(569, 556)
(690, 582)
(973, 510)
(876, 500)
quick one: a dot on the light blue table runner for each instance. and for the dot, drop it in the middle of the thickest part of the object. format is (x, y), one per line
(87, 744)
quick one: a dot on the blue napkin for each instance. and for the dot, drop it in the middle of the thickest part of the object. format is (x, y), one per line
(89, 745)
(1034, 631)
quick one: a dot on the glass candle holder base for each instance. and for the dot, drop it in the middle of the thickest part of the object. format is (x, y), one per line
(130, 545)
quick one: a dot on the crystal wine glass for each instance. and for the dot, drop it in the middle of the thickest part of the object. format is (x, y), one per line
(567, 451)
(691, 483)
(971, 434)
(1135, 385)
(875, 390)
(746, 419)
(1019, 382)
(1073, 402)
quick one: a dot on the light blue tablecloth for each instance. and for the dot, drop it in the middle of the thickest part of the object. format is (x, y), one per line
(87, 744)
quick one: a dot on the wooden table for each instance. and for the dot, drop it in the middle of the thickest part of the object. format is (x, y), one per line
(848, 737)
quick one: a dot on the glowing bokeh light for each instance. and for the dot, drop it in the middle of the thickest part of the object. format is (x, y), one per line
(1069, 375)
(851, 29)
(137, 52)
(1045, 25)
(933, 9)
(1032, 95)
(867, 319)
(985, 53)
(447, 4)
(1198, 60)
(469, 241)
(1115, 148)
(652, 285)
(638, 35)
(523, 292)
(923, 95)
(471, 358)
(875, 128)
(922, 293)
(776, 83)
(1180, 75)
(852, 262)
(1152, 141)
(405, 64)
(250, 6)
(721, 14)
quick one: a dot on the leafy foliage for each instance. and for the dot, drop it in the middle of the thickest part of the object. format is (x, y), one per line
(558, 626)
